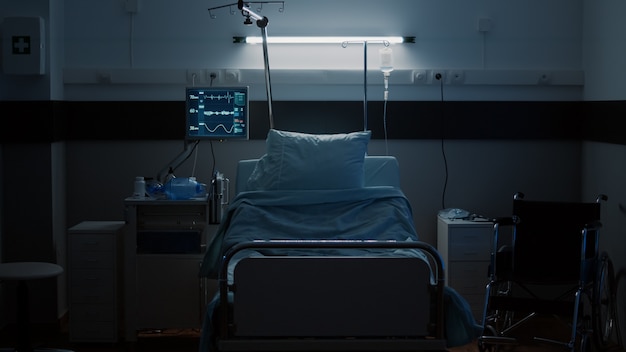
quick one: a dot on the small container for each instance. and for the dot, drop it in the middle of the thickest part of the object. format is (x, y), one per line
(139, 188)
(180, 188)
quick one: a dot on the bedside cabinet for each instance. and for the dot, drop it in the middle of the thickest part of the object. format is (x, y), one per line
(95, 300)
(465, 247)
(163, 249)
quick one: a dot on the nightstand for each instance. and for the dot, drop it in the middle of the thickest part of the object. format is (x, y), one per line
(465, 247)
(95, 280)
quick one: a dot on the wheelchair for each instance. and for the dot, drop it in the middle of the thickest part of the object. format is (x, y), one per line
(549, 270)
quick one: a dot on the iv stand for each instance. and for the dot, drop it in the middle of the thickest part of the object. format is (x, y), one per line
(344, 45)
(365, 85)
(262, 22)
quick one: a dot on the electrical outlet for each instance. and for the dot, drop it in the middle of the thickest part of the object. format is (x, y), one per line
(439, 76)
(213, 76)
(456, 76)
(104, 77)
(231, 76)
(195, 77)
(421, 76)
(544, 78)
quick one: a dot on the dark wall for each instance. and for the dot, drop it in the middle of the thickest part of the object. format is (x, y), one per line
(45, 121)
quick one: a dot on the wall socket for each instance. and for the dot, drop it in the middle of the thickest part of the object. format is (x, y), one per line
(544, 78)
(421, 76)
(438, 73)
(456, 76)
(213, 76)
(231, 76)
(195, 77)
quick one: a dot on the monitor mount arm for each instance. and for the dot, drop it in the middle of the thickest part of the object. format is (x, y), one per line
(176, 162)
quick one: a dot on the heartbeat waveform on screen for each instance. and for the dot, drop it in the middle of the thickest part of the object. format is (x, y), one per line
(228, 97)
(218, 126)
(223, 112)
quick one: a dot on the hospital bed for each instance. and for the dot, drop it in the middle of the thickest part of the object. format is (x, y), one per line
(318, 251)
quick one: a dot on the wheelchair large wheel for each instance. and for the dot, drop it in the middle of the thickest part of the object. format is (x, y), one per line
(603, 307)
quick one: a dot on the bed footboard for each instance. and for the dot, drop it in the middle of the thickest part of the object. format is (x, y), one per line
(334, 302)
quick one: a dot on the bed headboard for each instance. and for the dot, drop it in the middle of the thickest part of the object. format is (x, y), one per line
(379, 171)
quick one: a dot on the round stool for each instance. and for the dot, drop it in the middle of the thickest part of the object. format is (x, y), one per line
(22, 272)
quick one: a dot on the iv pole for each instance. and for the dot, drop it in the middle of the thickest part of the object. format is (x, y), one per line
(344, 45)
(261, 22)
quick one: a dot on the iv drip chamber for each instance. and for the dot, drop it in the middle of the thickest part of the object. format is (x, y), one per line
(386, 59)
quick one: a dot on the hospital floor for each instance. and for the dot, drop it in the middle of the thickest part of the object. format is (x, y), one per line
(53, 337)
(186, 340)
(543, 327)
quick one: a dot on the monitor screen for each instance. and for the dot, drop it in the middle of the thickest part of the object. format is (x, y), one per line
(217, 113)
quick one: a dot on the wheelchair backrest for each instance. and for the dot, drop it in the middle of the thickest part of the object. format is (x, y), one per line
(548, 240)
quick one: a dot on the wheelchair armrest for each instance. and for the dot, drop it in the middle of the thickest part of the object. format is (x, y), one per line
(506, 221)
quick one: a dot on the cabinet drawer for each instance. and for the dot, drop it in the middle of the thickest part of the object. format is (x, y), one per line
(470, 244)
(89, 313)
(171, 217)
(96, 260)
(92, 243)
(93, 294)
(92, 277)
(468, 277)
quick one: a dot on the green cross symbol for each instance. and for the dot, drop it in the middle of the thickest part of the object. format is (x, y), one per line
(21, 45)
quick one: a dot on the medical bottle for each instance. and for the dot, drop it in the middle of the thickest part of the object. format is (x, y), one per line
(139, 189)
(180, 188)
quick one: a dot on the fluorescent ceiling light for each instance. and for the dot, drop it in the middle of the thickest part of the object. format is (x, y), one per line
(324, 40)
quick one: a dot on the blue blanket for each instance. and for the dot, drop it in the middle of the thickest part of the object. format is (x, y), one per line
(372, 213)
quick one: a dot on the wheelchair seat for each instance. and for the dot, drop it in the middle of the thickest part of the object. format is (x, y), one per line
(549, 265)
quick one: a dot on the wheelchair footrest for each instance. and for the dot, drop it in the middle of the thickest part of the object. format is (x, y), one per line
(553, 342)
(562, 308)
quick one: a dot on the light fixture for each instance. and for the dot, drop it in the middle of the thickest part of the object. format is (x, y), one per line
(262, 22)
(325, 40)
(344, 41)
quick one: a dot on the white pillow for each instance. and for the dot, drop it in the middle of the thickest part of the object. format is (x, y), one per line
(297, 161)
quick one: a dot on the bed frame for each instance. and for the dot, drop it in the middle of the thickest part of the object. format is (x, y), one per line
(330, 302)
